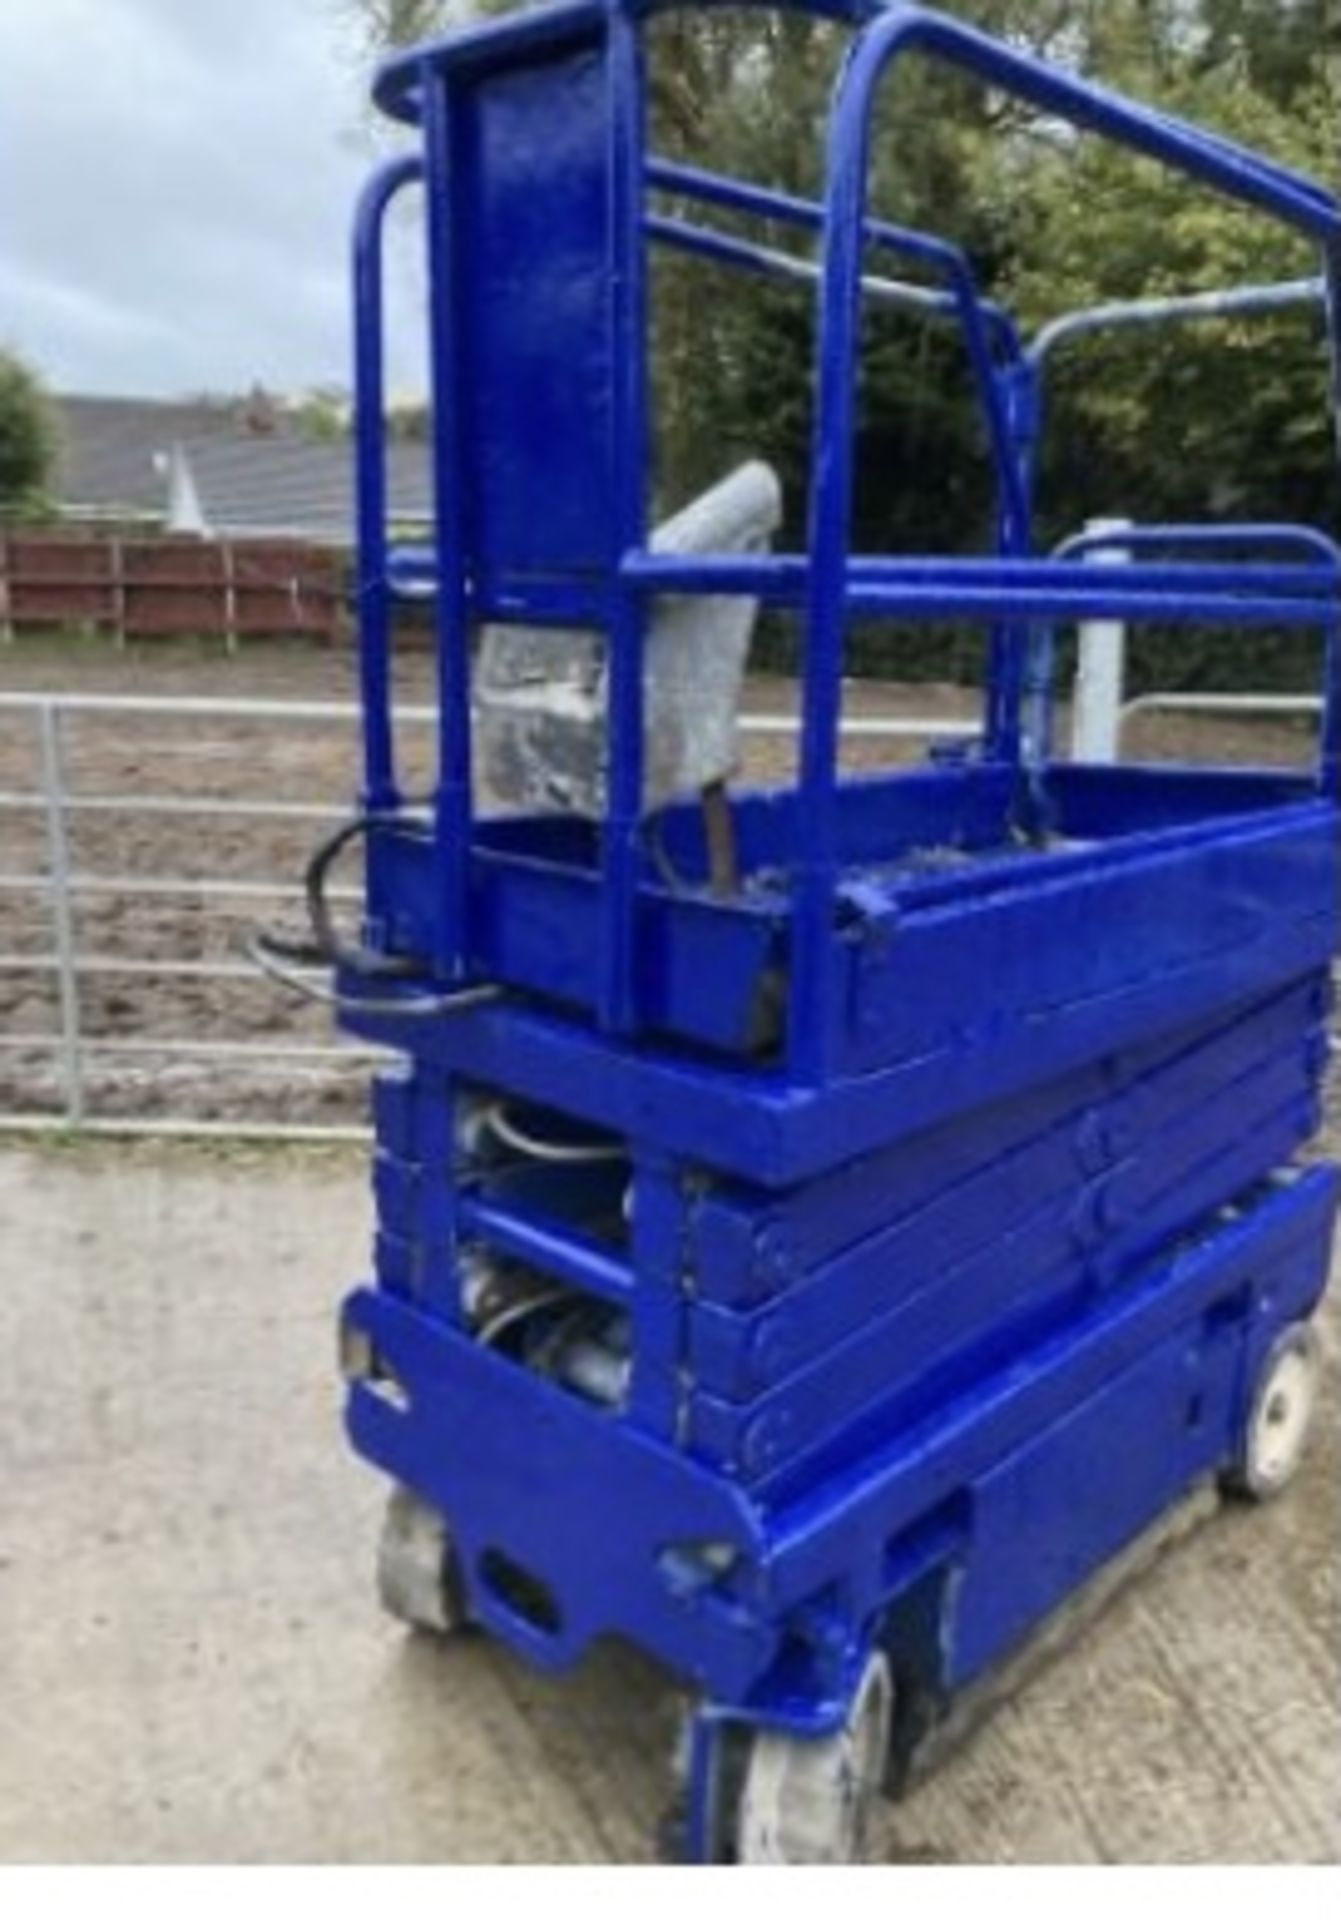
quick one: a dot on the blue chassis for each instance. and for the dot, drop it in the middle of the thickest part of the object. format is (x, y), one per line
(955, 1255)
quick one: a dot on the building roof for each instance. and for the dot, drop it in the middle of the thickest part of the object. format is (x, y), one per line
(254, 469)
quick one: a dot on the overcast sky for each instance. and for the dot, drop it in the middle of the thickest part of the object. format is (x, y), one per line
(176, 184)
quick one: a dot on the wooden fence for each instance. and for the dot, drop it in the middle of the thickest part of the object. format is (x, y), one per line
(136, 587)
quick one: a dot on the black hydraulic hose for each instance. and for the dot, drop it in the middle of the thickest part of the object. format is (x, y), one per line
(326, 941)
(277, 956)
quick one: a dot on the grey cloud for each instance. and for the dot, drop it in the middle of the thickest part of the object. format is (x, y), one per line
(176, 184)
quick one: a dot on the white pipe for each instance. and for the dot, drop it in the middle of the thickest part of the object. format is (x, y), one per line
(1101, 666)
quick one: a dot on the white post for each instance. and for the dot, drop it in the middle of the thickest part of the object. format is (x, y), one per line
(185, 513)
(1101, 662)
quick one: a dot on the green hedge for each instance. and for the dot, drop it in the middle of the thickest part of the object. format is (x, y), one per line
(1168, 660)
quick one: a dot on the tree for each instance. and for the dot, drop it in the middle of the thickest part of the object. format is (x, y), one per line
(386, 24)
(27, 440)
(1284, 46)
(323, 413)
(1185, 421)
(1195, 421)
(1222, 420)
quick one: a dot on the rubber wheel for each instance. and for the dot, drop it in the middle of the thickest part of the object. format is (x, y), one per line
(1280, 1418)
(808, 1802)
(418, 1579)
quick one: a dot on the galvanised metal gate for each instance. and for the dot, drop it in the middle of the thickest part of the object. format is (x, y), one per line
(66, 1075)
(85, 1058)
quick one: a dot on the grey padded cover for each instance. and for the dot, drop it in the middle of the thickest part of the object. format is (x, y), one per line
(540, 692)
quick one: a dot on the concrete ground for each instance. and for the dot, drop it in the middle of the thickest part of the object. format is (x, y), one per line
(192, 1667)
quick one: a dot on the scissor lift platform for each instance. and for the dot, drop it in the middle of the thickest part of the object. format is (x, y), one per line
(1102, 900)
(817, 1229)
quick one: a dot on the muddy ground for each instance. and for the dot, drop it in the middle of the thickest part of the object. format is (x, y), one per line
(232, 760)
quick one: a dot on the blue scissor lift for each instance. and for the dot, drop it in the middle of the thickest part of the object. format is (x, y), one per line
(817, 1228)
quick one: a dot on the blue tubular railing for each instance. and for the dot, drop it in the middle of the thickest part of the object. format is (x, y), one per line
(1228, 303)
(1262, 536)
(1234, 173)
(1012, 591)
(826, 583)
(621, 849)
(789, 209)
(987, 328)
(380, 791)
(1253, 302)
(985, 324)
(453, 808)
(991, 321)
